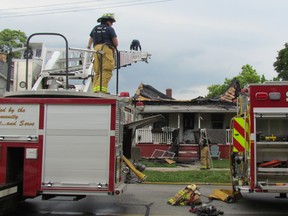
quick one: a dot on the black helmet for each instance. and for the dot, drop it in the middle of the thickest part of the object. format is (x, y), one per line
(107, 17)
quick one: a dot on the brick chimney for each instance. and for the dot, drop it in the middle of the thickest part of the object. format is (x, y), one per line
(169, 92)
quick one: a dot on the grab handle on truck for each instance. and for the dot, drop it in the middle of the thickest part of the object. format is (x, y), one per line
(27, 56)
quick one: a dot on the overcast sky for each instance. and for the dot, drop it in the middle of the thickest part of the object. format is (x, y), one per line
(194, 43)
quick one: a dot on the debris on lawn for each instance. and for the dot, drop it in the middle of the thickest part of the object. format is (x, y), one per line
(169, 161)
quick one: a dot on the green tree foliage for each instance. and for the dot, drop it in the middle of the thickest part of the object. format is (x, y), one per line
(276, 79)
(217, 90)
(12, 39)
(248, 75)
(281, 63)
(263, 79)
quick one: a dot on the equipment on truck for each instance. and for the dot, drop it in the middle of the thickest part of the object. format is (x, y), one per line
(259, 150)
(57, 137)
(69, 68)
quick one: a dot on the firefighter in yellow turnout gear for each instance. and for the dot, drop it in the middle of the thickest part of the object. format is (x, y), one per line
(205, 155)
(107, 67)
(104, 40)
(190, 195)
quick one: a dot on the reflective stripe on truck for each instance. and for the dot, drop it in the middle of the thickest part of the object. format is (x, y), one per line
(8, 191)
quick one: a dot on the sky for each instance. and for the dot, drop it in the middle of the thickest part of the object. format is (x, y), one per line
(194, 43)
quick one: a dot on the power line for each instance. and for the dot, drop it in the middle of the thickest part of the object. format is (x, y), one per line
(79, 9)
(37, 9)
(50, 5)
(74, 9)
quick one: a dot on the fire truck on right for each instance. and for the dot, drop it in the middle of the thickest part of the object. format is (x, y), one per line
(259, 150)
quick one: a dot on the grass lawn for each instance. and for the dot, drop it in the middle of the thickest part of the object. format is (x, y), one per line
(196, 176)
(224, 163)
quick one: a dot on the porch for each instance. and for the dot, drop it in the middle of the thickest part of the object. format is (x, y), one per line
(148, 141)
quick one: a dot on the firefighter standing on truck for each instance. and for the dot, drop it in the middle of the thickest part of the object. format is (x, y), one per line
(104, 40)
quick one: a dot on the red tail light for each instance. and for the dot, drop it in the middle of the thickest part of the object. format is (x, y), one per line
(124, 94)
(261, 96)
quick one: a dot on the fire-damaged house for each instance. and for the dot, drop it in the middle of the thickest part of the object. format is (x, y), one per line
(184, 122)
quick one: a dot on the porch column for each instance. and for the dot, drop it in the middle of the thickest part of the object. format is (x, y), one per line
(180, 135)
(199, 121)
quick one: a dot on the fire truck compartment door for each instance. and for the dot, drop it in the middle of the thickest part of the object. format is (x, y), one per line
(77, 145)
(19, 122)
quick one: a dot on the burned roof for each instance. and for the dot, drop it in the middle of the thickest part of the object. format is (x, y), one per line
(151, 96)
(149, 93)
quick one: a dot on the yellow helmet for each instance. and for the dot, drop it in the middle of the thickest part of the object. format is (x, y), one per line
(192, 187)
(107, 17)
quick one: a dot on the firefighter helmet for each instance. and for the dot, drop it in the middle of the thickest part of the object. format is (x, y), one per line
(192, 187)
(107, 17)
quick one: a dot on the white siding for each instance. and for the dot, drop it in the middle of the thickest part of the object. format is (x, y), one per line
(77, 145)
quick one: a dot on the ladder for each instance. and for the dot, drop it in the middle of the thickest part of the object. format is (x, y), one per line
(127, 58)
(53, 72)
(69, 69)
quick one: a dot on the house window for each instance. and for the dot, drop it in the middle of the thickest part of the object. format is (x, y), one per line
(217, 121)
(188, 121)
(160, 124)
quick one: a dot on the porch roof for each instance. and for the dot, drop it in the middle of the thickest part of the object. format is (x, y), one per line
(189, 109)
(143, 122)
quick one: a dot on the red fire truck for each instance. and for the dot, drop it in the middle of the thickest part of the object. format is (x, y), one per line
(57, 137)
(259, 158)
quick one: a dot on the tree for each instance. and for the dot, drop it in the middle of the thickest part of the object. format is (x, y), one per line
(217, 90)
(281, 63)
(11, 39)
(263, 79)
(248, 75)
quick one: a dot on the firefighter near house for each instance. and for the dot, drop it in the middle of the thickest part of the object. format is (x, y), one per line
(57, 137)
(259, 152)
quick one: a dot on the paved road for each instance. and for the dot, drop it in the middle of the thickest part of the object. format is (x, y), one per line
(146, 199)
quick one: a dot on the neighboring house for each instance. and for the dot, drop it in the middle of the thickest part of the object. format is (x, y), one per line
(186, 117)
(3, 74)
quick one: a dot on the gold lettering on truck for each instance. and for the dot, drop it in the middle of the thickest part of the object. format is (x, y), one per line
(15, 116)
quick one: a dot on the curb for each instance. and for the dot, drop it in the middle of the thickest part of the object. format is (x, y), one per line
(187, 183)
(167, 169)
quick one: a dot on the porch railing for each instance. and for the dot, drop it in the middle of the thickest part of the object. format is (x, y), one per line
(145, 135)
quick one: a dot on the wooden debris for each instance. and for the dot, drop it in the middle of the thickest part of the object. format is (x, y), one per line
(169, 161)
